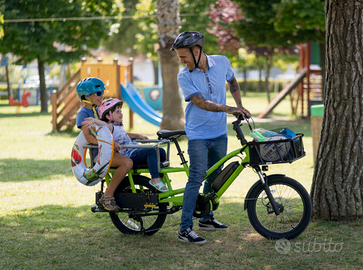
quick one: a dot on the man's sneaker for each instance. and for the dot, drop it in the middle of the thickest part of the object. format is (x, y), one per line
(189, 236)
(212, 225)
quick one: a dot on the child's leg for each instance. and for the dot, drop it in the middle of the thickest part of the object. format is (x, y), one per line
(148, 155)
(152, 161)
(140, 156)
(124, 165)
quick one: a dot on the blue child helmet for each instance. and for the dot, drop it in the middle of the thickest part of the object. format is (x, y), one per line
(89, 86)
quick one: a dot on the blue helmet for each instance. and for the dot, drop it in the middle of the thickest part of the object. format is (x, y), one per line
(89, 86)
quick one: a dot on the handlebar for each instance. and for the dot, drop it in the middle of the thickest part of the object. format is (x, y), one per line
(237, 127)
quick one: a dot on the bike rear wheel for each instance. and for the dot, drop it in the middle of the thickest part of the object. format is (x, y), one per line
(136, 223)
(293, 201)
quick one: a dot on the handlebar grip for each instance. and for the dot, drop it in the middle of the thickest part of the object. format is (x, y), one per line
(239, 116)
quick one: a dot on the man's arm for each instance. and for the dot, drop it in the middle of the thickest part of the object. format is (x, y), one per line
(208, 105)
(236, 94)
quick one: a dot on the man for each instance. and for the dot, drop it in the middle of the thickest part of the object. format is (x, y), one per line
(203, 82)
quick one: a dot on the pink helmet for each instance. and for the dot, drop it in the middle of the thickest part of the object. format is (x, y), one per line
(107, 106)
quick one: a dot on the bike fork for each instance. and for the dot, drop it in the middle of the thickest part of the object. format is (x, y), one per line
(268, 191)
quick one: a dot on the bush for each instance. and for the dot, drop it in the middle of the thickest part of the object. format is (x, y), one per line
(253, 85)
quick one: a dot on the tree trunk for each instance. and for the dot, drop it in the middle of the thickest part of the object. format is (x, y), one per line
(337, 190)
(259, 89)
(244, 81)
(322, 63)
(156, 72)
(7, 80)
(267, 75)
(169, 23)
(42, 88)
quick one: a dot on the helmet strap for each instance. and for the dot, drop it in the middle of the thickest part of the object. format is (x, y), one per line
(195, 62)
(93, 107)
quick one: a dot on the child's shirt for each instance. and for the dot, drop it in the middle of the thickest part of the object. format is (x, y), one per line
(120, 136)
(81, 116)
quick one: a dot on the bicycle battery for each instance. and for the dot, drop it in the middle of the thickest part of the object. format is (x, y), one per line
(224, 175)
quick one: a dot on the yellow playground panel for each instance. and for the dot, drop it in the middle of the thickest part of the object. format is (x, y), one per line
(65, 103)
(112, 74)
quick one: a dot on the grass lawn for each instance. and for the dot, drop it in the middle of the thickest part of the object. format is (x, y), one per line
(46, 221)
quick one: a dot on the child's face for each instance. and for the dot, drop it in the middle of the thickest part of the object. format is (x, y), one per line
(95, 99)
(117, 115)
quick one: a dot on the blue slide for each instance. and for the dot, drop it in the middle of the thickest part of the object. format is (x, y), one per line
(130, 95)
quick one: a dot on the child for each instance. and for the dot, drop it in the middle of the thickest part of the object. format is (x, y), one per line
(110, 112)
(90, 92)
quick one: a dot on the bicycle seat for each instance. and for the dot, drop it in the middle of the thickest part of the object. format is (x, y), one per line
(166, 134)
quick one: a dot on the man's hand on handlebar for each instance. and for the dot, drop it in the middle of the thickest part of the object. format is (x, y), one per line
(237, 112)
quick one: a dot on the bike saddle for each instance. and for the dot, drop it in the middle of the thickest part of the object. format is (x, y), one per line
(166, 134)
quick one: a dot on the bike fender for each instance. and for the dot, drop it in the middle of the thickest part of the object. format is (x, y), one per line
(255, 185)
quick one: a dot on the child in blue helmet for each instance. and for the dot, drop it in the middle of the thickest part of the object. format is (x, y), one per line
(90, 92)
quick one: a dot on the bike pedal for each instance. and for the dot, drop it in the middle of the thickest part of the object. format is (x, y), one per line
(96, 209)
(98, 197)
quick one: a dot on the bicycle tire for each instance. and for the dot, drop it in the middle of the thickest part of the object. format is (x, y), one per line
(294, 203)
(134, 223)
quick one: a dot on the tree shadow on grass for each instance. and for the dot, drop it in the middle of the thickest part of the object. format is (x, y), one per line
(72, 237)
(65, 133)
(66, 237)
(13, 115)
(20, 170)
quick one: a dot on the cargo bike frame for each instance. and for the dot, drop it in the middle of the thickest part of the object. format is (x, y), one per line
(277, 206)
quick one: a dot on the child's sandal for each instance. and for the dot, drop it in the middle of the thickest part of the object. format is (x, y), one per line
(159, 186)
(109, 203)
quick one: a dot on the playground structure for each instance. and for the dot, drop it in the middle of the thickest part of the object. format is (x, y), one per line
(137, 104)
(119, 84)
(306, 87)
(65, 103)
(24, 101)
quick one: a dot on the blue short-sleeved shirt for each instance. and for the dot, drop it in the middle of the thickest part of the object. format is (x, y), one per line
(83, 114)
(202, 124)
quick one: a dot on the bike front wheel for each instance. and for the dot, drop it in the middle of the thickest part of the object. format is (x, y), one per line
(134, 222)
(291, 198)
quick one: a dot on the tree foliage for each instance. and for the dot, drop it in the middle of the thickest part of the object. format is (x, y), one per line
(123, 34)
(192, 19)
(40, 39)
(256, 25)
(222, 14)
(2, 9)
(198, 21)
(266, 27)
(305, 19)
(1, 27)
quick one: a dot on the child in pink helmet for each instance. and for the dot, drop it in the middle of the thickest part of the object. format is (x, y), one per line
(111, 115)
